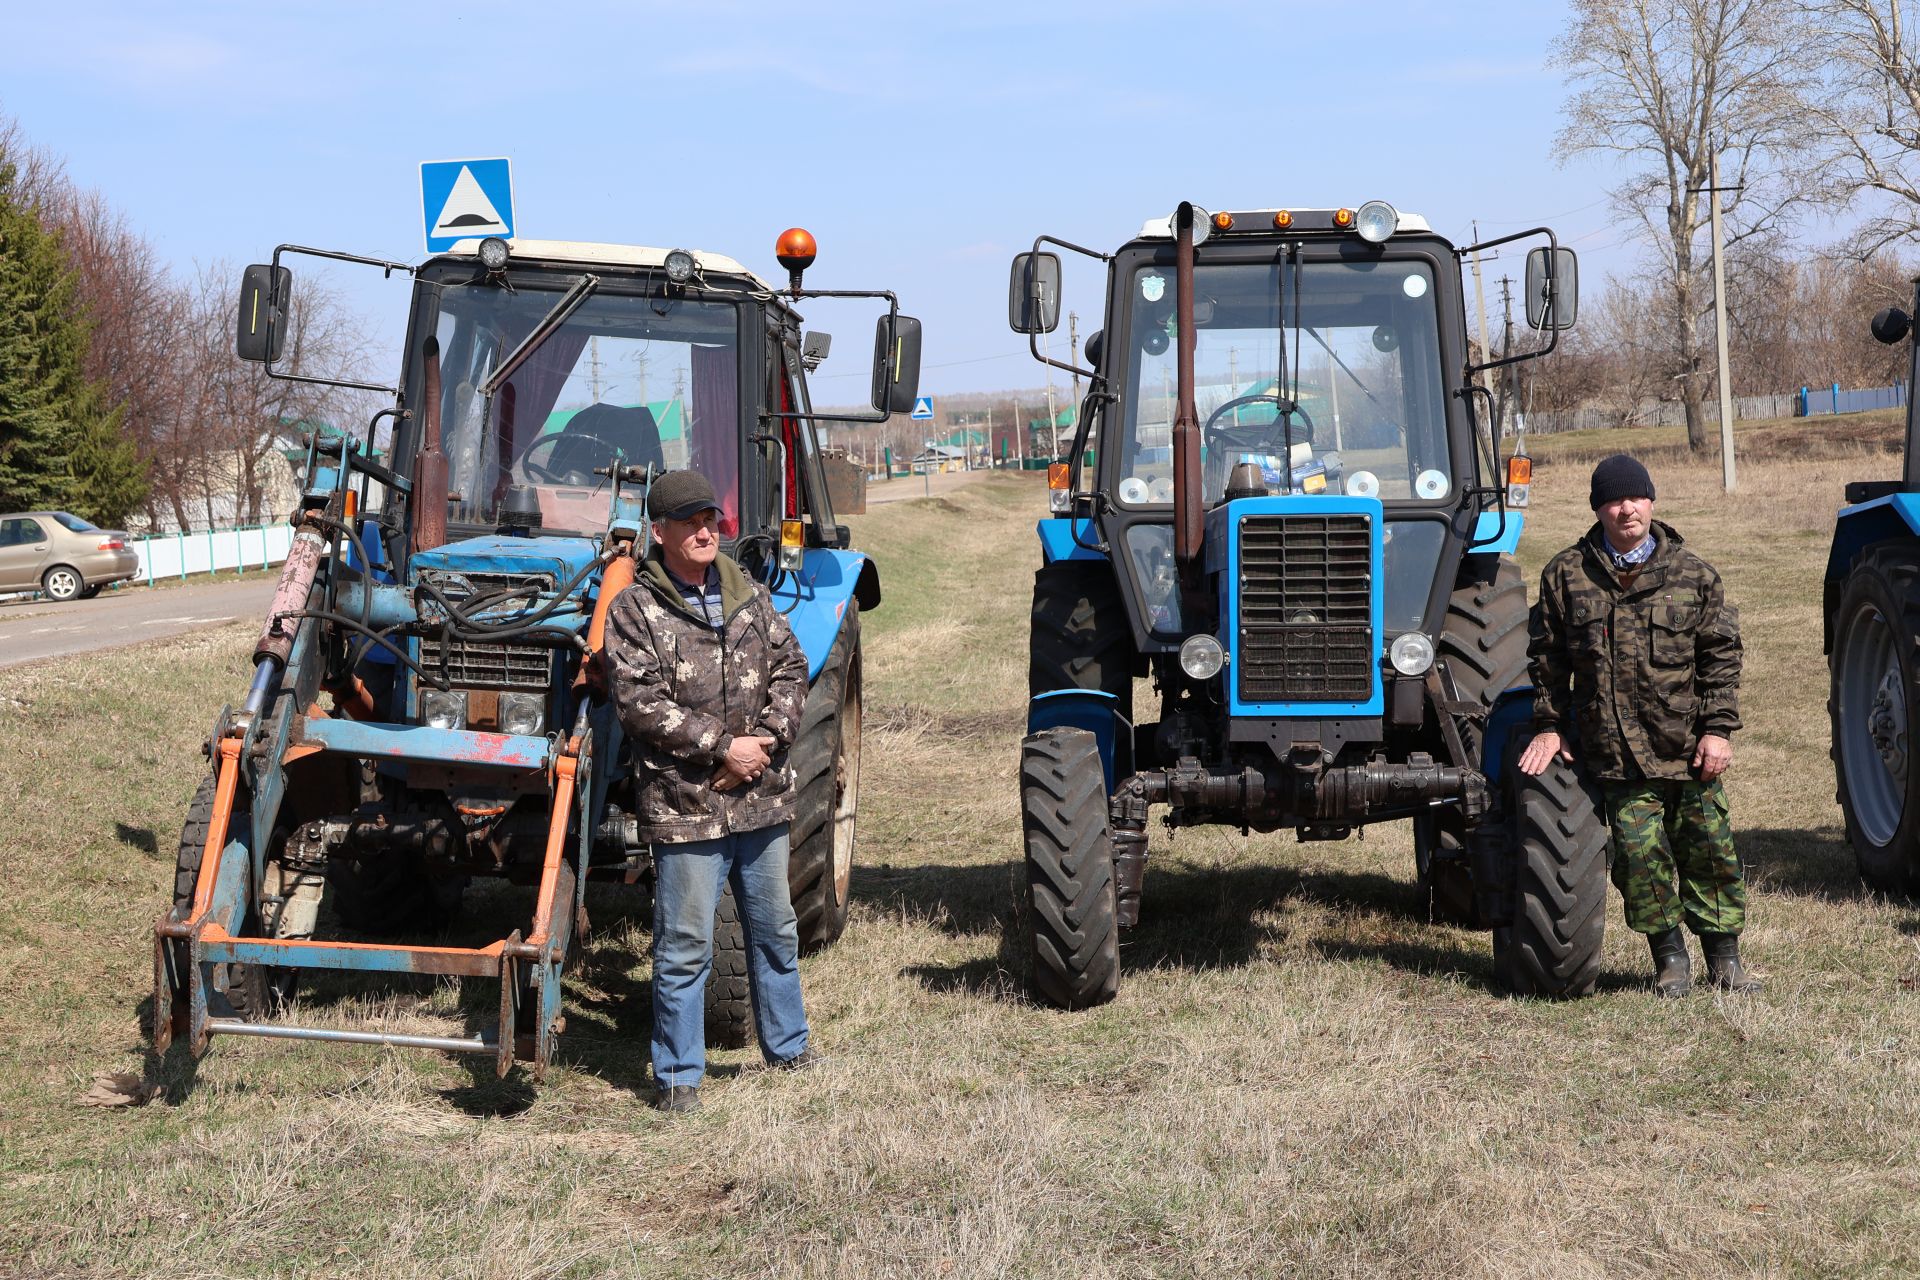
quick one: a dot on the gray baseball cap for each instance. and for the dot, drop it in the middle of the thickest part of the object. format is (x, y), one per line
(681, 495)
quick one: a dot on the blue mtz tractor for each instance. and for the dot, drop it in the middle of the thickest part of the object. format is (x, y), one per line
(428, 702)
(1872, 612)
(1284, 505)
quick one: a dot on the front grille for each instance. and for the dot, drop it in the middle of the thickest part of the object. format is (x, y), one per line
(489, 666)
(1306, 614)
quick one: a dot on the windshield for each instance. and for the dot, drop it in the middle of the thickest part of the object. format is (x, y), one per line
(1359, 379)
(655, 380)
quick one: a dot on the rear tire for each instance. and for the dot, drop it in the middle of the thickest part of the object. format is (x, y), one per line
(826, 767)
(1551, 946)
(1073, 919)
(88, 593)
(1484, 647)
(729, 1004)
(1874, 691)
(62, 582)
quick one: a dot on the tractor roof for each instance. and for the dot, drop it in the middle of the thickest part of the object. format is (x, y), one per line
(621, 255)
(1162, 228)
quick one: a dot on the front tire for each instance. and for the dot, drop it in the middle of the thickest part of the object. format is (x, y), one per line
(1872, 698)
(826, 767)
(1551, 945)
(1073, 918)
(253, 992)
(1080, 638)
(729, 1004)
(1484, 647)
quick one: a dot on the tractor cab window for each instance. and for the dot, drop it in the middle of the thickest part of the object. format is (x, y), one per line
(1328, 377)
(644, 379)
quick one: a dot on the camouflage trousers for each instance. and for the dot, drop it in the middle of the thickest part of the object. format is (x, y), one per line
(1666, 831)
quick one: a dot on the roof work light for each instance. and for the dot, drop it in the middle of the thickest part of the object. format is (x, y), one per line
(679, 266)
(1376, 220)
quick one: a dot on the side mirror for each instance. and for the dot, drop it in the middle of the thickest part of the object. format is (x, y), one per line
(1552, 302)
(1033, 293)
(1096, 344)
(1891, 325)
(260, 330)
(896, 365)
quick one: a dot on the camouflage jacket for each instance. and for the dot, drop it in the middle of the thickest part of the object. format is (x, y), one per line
(685, 690)
(1631, 677)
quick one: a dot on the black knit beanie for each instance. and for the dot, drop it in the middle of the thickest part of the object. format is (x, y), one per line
(1620, 476)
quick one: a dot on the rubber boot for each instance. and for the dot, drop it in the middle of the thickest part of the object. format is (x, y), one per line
(1723, 963)
(1673, 968)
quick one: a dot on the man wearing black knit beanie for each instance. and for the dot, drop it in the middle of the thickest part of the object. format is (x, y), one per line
(1636, 675)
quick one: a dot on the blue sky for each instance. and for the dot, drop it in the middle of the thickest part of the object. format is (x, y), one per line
(923, 144)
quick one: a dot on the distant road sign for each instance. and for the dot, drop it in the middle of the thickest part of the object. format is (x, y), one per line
(923, 408)
(465, 199)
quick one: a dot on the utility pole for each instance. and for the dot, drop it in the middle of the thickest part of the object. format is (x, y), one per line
(1506, 340)
(1073, 349)
(1480, 298)
(1720, 320)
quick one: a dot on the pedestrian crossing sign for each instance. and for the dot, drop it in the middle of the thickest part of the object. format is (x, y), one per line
(466, 200)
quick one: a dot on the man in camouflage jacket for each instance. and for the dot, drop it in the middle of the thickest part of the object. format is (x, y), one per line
(709, 684)
(1636, 671)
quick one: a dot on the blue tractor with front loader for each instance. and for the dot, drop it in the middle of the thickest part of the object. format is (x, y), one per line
(1871, 608)
(1284, 505)
(428, 702)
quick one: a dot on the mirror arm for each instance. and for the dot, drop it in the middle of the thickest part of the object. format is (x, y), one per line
(1033, 339)
(386, 271)
(893, 325)
(1553, 258)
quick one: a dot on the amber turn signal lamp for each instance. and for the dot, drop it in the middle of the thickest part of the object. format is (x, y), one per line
(792, 533)
(796, 251)
(1282, 220)
(1519, 469)
(350, 507)
(1223, 222)
(1343, 218)
(1059, 475)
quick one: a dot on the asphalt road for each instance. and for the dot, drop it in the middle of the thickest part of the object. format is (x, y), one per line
(35, 629)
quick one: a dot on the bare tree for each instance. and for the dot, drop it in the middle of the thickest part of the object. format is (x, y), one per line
(1867, 114)
(1660, 83)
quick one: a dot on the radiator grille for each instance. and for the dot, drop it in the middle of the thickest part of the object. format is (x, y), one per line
(490, 666)
(1305, 626)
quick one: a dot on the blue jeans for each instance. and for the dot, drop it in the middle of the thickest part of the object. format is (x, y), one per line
(685, 895)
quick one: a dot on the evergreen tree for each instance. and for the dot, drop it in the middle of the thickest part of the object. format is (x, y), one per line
(60, 445)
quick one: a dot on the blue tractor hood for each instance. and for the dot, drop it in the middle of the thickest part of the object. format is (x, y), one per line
(558, 558)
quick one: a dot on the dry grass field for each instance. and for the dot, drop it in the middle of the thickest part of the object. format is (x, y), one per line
(1301, 1076)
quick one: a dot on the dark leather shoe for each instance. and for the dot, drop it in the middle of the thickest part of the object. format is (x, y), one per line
(807, 1057)
(679, 1098)
(1673, 968)
(1724, 968)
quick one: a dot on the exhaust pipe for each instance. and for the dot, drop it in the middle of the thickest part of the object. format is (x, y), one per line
(1188, 512)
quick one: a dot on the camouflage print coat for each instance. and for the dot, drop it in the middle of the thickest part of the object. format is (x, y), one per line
(684, 690)
(1634, 675)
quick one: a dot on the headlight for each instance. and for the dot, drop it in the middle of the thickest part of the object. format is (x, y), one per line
(1411, 654)
(443, 710)
(1201, 657)
(493, 253)
(679, 266)
(523, 713)
(1376, 220)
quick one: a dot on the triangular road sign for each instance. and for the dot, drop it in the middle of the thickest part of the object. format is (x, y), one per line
(923, 408)
(465, 199)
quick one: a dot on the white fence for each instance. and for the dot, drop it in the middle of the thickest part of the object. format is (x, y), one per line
(176, 555)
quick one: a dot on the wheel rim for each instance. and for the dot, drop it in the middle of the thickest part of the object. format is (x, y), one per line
(1874, 748)
(63, 584)
(846, 793)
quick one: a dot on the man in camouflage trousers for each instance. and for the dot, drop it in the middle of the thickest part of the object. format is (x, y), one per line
(1636, 658)
(709, 684)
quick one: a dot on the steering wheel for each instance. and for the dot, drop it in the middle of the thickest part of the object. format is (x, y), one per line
(1257, 434)
(525, 460)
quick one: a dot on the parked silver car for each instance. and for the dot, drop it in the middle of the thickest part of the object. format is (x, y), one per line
(62, 555)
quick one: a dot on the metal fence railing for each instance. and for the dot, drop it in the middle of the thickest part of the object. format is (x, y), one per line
(1806, 402)
(180, 555)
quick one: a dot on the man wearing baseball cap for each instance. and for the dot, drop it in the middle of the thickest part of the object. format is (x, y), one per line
(1636, 675)
(709, 683)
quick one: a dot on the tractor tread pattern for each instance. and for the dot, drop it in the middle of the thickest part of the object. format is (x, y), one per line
(1074, 923)
(1080, 638)
(1552, 945)
(811, 829)
(729, 1004)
